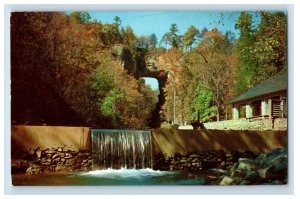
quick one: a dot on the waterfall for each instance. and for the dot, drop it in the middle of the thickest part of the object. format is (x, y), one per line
(116, 149)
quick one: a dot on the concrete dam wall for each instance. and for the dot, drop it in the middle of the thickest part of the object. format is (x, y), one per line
(165, 141)
(73, 138)
(169, 141)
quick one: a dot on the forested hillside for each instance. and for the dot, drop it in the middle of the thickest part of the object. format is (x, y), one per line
(69, 70)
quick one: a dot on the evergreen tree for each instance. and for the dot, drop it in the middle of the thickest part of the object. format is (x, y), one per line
(189, 37)
(247, 64)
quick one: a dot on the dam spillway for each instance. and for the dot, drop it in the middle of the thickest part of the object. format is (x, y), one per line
(116, 149)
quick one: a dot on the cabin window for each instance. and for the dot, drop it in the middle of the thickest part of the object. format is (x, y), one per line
(256, 105)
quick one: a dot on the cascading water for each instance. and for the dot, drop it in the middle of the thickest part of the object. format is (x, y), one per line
(116, 149)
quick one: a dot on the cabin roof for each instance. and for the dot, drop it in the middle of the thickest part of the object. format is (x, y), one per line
(272, 85)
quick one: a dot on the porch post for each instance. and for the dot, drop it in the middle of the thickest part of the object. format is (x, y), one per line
(264, 107)
(249, 111)
(281, 106)
(235, 112)
(270, 108)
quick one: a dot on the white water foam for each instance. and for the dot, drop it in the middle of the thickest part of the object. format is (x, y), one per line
(127, 173)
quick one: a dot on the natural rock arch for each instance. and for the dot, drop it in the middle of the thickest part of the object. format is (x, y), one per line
(146, 66)
(161, 77)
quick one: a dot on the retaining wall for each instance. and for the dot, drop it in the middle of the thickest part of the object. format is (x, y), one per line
(72, 138)
(172, 141)
(243, 124)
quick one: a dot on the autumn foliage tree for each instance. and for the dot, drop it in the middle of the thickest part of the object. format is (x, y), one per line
(209, 69)
(261, 48)
(64, 72)
(69, 70)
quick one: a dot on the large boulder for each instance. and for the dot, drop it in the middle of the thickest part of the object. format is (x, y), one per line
(273, 157)
(273, 166)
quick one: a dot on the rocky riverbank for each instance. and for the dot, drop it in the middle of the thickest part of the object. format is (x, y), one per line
(268, 168)
(234, 168)
(36, 161)
(199, 161)
(215, 167)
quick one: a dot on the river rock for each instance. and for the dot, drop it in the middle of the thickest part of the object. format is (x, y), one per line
(31, 151)
(68, 156)
(49, 155)
(238, 174)
(247, 165)
(228, 155)
(227, 181)
(55, 161)
(274, 172)
(46, 163)
(222, 164)
(70, 161)
(252, 177)
(63, 160)
(84, 164)
(61, 154)
(55, 156)
(38, 153)
(233, 168)
(183, 160)
(178, 167)
(194, 156)
(33, 169)
(187, 165)
(174, 162)
(36, 160)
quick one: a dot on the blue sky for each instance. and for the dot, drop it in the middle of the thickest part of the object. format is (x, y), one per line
(159, 22)
(152, 82)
